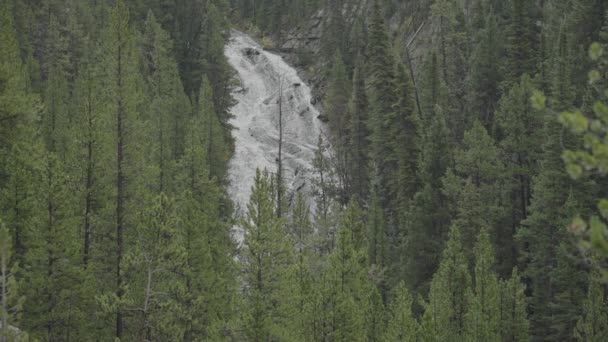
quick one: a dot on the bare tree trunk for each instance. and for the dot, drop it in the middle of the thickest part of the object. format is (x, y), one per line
(4, 275)
(279, 159)
(88, 187)
(120, 192)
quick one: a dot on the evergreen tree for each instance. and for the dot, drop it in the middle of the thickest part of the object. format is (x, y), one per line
(155, 261)
(348, 284)
(427, 226)
(522, 41)
(336, 107)
(514, 324)
(358, 143)
(474, 186)
(382, 98)
(406, 138)
(10, 302)
(593, 323)
(18, 143)
(484, 73)
(122, 105)
(167, 114)
(401, 324)
(444, 314)
(266, 259)
(213, 141)
(324, 194)
(483, 317)
(209, 275)
(520, 128)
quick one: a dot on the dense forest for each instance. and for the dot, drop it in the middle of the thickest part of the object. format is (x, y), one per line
(460, 196)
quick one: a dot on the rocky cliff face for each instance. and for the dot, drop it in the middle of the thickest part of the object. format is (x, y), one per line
(408, 21)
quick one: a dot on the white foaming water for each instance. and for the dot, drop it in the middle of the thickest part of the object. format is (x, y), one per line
(256, 121)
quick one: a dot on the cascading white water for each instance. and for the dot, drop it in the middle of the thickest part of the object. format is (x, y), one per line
(256, 120)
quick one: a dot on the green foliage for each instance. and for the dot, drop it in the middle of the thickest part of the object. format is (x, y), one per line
(482, 321)
(514, 324)
(449, 296)
(11, 303)
(358, 143)
(267, 257)
(593, 323)
(401, 324)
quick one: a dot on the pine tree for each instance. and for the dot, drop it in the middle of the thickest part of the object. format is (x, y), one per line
(209, 277)
(348, 284)
(514, 324)
(214, 64)
(474, 186)
(543, 232)
(444, 314)
(10, 302)
(267, 256)
(406, 138)
(121, 103)
(452, 50)
(324, 194)
(336, 107)
(213, 138)
(520, 128)
(18, 143)
(382, 116)
(358, 143)
(377, 237)
(522, 41)
(483, 317)
(485, 74)
(428, 222)
(155, 261)
(401, 324)
(88, 153)
(592, 325)
(167, 115)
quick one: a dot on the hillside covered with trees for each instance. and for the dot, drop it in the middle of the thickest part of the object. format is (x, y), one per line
(459, 194)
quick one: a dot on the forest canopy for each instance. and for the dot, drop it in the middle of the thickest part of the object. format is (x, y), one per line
(459, 192)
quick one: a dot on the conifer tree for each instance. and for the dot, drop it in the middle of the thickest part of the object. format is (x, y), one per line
(349, 286)
(452, 50)
(377, 232)
(382, 98)
(336, 107)
(514, 324)
(474, 186)
(522, 41)
(483, 317)
(213, 142)
(592, 325)
(553, 198)
(88, 153)
(427, 226)
(520, 128)
(402, 326)
(156, 259)
(11, 302)
(406, 138)
(209, 277)
(444, 314)
(324, 194)
(267, 256)
(358, 143)
(121, 103)
(18, 143)
(485, 74)
(167, 115)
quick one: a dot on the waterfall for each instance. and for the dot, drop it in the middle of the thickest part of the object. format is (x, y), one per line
(256, 121)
